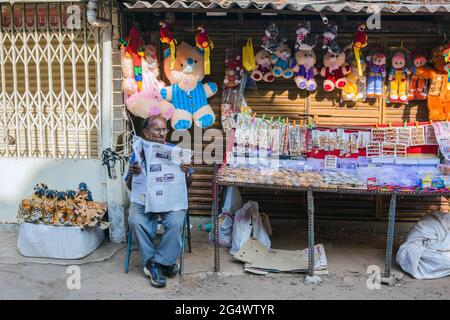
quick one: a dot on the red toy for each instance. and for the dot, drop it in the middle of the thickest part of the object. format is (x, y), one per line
(205, 44)
(165, 36)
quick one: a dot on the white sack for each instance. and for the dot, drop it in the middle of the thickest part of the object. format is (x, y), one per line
(248, 223)
(426, 252)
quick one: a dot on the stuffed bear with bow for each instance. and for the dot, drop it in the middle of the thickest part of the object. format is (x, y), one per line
(188, 95)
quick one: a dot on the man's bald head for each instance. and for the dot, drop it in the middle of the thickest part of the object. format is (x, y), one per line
(155, 129)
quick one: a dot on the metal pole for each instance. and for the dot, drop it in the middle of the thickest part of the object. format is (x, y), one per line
(310, 202)
(390, 236)
(216, 221)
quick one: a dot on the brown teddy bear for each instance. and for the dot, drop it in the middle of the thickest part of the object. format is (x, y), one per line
(263, 70)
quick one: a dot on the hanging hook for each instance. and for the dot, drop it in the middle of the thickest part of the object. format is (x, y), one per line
(324, 18)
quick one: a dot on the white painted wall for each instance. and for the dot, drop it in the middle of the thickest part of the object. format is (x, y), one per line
(19, 176)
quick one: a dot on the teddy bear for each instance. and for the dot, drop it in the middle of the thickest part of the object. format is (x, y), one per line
(281, 61)
(263, 69)
(398, 77)
(142, 98)
(188, 95)
(420, 74)
(304, 69)
(352, 91)
(329, 35)
(439, 95)
(376, 66)
(334, 68)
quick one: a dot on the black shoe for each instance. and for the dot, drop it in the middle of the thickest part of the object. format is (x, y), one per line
(157, 278)
(169, 271)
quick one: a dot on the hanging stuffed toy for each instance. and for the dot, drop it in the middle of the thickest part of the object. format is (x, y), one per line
(269, 41)
(134, 49)
(142, 98)
(187, 93)
(304, 66)
(165, 36)
(329, 34)
(376, 66)
(359, 42)
(281, 61)
(439, 94)
(303, 31)
(263, 69)
(233, 69)
(354, 89)
(334, 67)
(398, 77)
(420, 75)
(205, 44)
(447, 59)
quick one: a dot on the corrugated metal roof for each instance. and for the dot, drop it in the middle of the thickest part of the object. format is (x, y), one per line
(430, 6)
(36, 1)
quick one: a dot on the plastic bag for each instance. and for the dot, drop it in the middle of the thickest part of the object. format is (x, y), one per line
(248, 56)
(248, 223)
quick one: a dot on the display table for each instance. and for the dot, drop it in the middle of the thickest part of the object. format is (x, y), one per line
(59, 242)
(310, 208)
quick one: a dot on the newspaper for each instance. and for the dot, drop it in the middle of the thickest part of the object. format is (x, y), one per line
(166, 188)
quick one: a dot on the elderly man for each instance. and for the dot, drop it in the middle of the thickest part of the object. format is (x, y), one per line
(159, 262)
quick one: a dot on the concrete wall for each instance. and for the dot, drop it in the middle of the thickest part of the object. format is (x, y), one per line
(19, 176)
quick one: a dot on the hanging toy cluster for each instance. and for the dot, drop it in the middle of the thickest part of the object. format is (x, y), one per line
(134, 48)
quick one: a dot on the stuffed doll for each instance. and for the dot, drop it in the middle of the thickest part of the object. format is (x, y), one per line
(269, 41)
(354, 88)
(49, 207)
(263, 69)
(233, 69)
(398, 79)
(188, 95)
(329, 35)
(304, 69)
(420, 74)
(37, 202)
(303, 31)
(376, 66)
(281, 61)
(334, 68)
(147, 101)
(439, 94)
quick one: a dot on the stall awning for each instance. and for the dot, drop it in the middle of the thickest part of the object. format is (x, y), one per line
(366, 6)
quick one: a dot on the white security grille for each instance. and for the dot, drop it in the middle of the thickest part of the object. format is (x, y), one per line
(50, 77)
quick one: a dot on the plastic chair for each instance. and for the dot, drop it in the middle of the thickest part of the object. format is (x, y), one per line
(186, 227)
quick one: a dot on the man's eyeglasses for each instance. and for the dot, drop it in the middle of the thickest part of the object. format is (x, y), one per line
(159, 130)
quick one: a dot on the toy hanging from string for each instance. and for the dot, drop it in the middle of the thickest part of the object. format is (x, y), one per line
(205, 44)
(134, 48)
(165, 36)
(359, 42)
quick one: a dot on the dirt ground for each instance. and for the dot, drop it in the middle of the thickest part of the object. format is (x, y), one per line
(350, 249)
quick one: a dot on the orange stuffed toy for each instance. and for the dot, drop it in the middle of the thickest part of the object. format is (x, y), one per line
(439, 95)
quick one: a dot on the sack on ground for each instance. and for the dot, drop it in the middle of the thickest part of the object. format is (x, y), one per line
(426, 252)
(248, 223)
